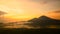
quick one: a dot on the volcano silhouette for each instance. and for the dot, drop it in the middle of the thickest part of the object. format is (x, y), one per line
(44, 21)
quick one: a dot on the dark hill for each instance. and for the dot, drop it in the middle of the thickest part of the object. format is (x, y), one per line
(44, 21)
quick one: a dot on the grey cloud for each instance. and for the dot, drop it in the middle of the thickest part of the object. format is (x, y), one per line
(1, 12)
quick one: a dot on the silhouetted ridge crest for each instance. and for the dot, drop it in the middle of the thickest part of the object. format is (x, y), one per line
(44, 21)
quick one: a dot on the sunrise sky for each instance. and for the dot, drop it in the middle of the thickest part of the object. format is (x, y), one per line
(28, 9)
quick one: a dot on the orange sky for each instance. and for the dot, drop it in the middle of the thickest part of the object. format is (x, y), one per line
(27, 9)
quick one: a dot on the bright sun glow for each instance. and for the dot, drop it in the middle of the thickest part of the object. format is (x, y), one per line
(26, 9)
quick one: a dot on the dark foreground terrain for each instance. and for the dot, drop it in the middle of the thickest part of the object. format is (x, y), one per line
(30, 31)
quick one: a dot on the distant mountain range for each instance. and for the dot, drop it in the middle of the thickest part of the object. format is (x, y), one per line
(44, 21)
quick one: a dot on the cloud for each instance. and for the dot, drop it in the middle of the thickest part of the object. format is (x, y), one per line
(1, 13)
(56, 11)
(53, 14)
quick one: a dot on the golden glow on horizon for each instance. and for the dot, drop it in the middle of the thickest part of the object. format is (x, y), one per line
(25, 10)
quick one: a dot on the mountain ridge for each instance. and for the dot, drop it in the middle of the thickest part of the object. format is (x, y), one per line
(44, 21)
